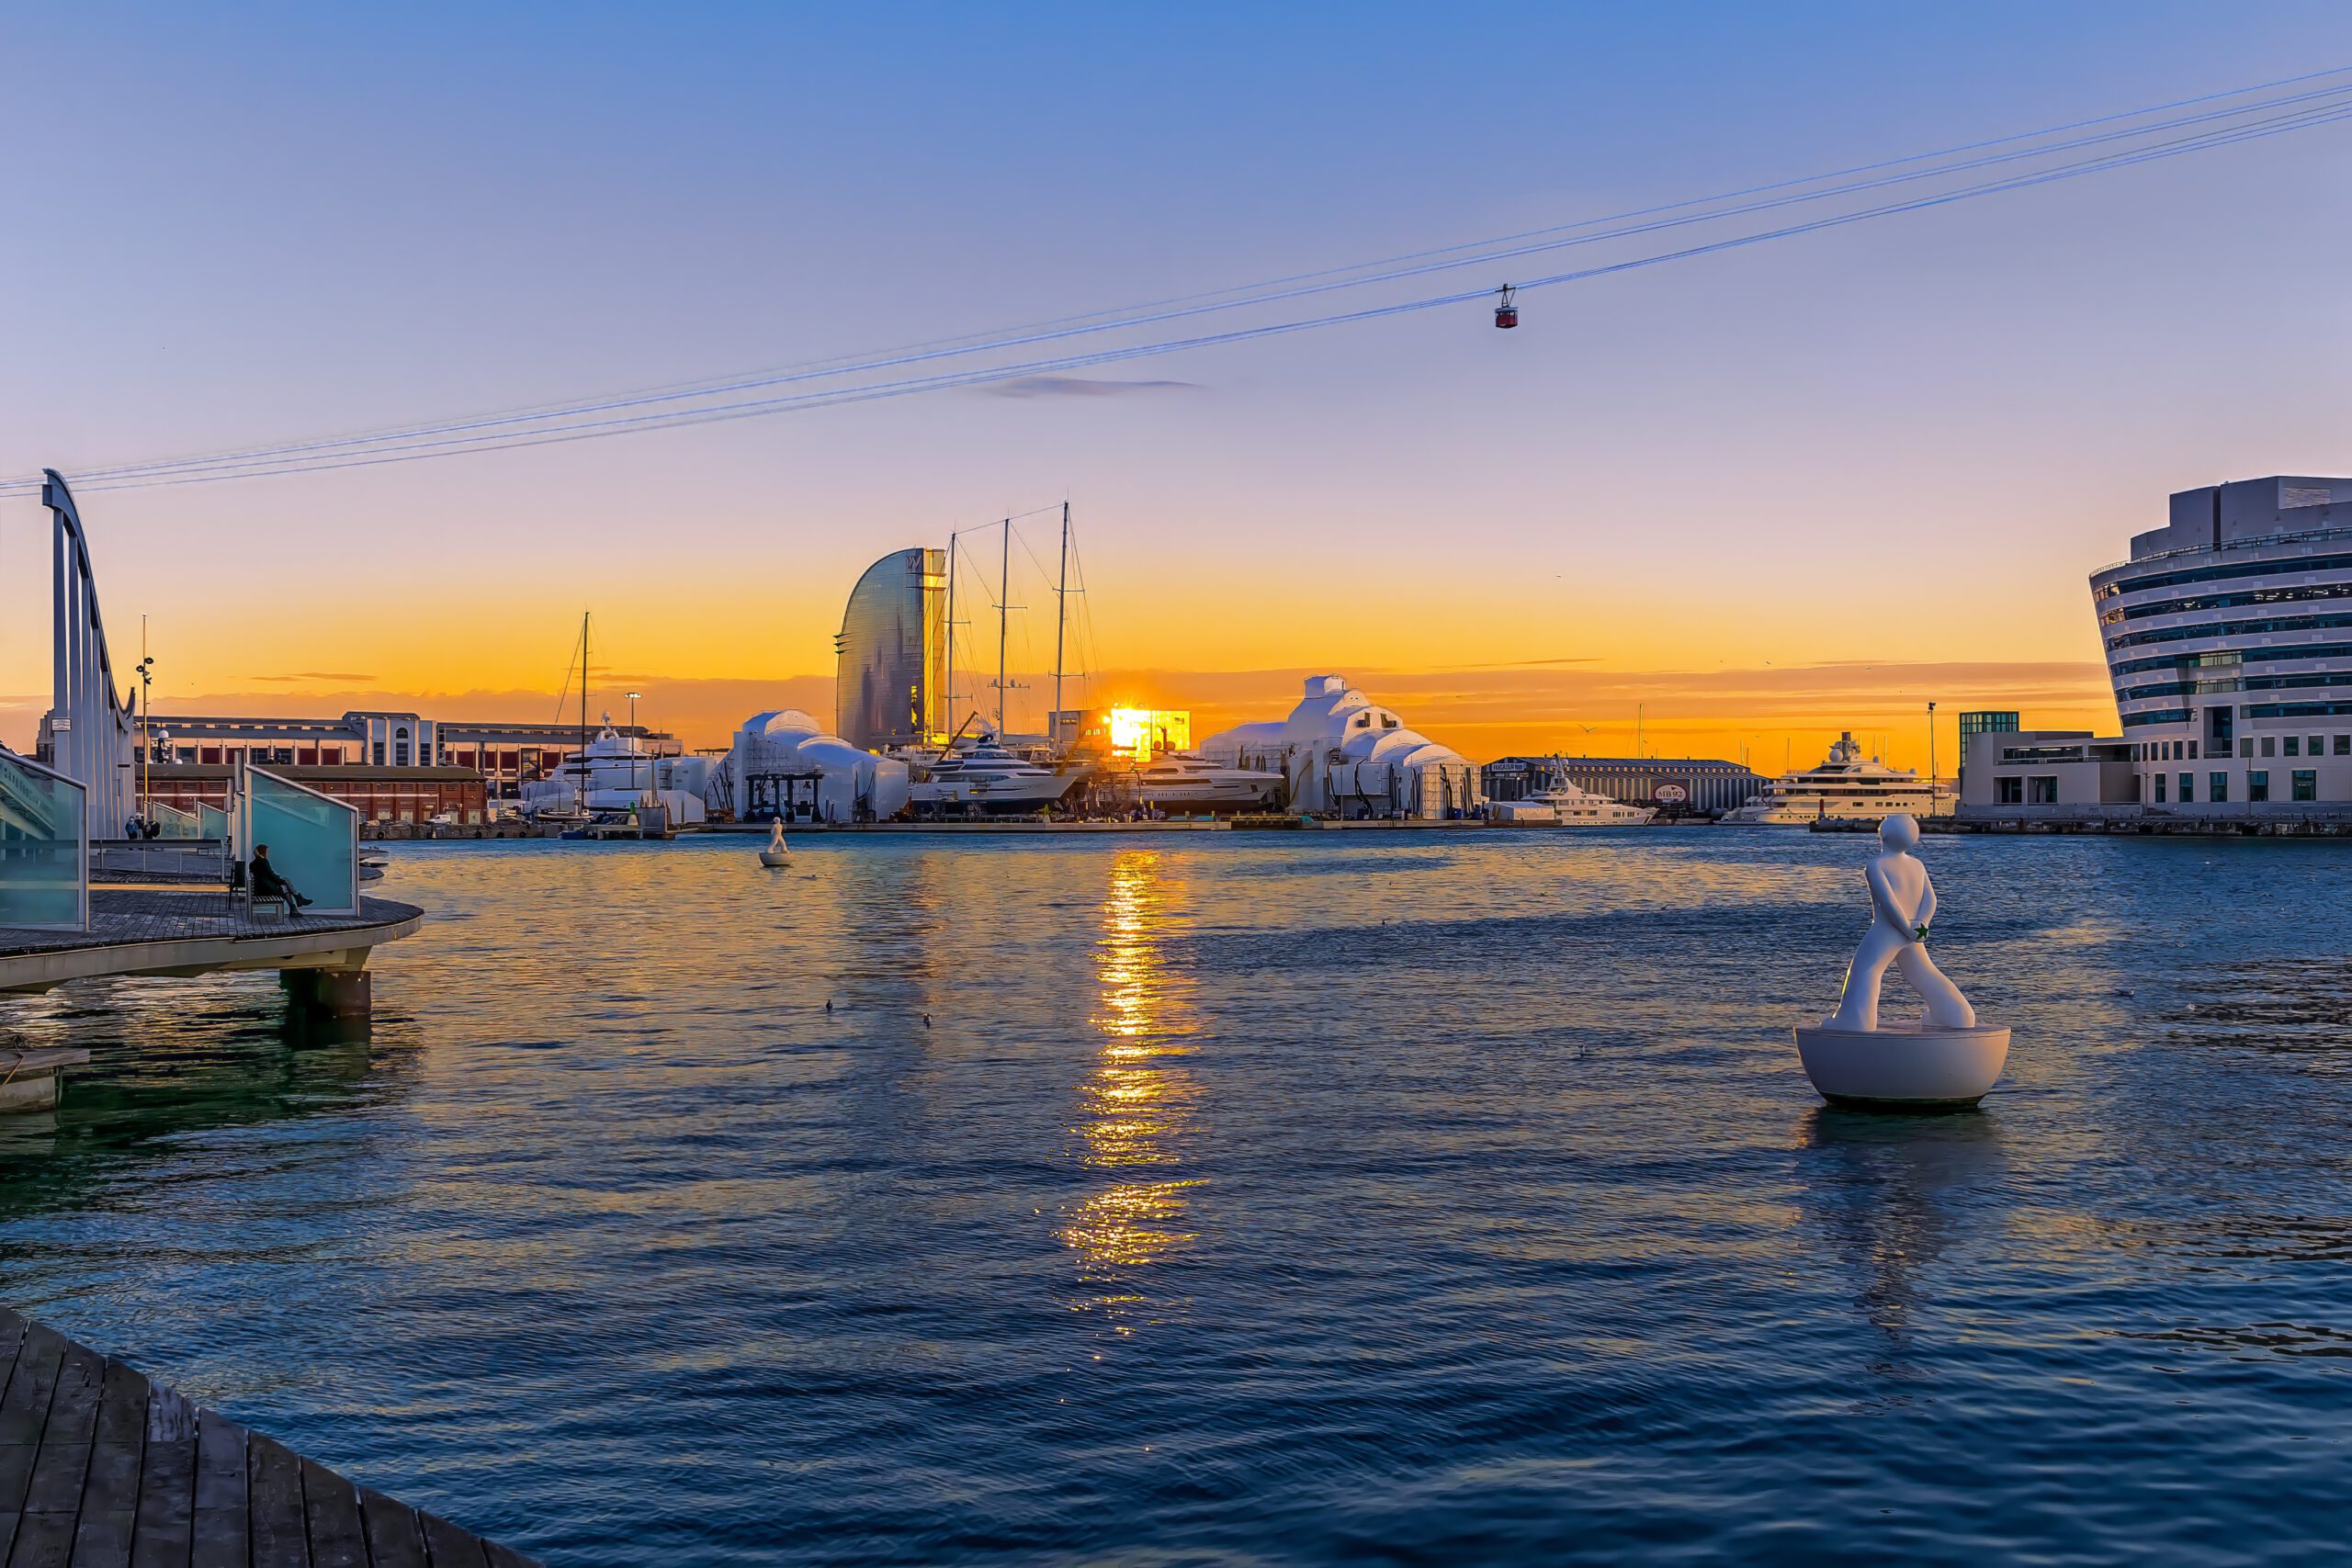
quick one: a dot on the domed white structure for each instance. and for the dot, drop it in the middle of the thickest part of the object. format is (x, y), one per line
(783, 764)
(1343, 752)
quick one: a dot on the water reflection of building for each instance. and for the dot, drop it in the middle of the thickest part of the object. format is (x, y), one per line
(1136, 1101)
(890, 684)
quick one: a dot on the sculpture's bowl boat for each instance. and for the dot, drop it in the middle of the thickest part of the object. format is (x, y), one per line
(1907, 1070)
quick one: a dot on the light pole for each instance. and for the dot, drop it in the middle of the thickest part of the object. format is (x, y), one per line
(1931, 759)
(146, 717)
(633, 740)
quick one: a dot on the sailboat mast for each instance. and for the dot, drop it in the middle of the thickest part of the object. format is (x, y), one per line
(950, 712)
(1003, 600)
(1061, 618)
(583, 712)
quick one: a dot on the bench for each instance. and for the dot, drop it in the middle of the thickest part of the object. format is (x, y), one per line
(240, 893)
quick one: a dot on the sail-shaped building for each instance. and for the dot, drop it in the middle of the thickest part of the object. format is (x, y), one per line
(890, 680)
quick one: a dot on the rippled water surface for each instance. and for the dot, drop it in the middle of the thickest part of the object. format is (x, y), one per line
(1282, 1198)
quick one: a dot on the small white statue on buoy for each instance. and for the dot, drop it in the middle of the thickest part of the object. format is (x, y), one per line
(1949, 1058)
(776, 854)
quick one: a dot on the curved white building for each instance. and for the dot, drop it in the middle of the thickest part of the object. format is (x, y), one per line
(782, 764)
(1343, 752)
(2229, 640)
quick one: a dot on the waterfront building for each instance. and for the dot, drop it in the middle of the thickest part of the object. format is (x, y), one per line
(1134, 735)
(890, 679)
(1343, 753)
(1672, 784)
(2228, 636)
(414, 795)
(1982, 721)
(508, 755)
(2005, 771)
(783, 766)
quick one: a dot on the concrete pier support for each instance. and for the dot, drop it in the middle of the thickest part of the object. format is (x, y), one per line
(330, 993)
(29, 1081)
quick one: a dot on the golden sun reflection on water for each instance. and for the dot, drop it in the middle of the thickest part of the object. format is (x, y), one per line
(1135, 1104)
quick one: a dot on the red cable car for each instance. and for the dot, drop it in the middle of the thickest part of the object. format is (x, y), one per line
(1507, 306)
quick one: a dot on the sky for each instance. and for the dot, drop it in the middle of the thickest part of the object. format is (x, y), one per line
(1732, 505)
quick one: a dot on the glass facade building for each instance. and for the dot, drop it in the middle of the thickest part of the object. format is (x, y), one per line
(2229, 640)
(890, 681)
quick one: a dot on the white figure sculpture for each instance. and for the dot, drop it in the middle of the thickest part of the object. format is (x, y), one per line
(776, 854)
(1948, 1059)
(1902, 905)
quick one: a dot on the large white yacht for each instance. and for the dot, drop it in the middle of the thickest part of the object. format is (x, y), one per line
(1186, 781)
(981, 775)
(1573, 808)
(1846, 784)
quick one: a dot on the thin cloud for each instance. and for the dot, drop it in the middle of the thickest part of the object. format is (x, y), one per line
(1082, 387)
(320, 675)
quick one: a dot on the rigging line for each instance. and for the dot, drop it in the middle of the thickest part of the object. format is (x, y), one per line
(838, 397)
(847, 365)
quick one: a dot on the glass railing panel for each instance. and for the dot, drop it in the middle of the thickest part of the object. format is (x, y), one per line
(44, 864)
(171, 822)
(314, 840)
(211, 822)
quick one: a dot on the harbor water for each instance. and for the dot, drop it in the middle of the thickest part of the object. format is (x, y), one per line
(1249, 1198)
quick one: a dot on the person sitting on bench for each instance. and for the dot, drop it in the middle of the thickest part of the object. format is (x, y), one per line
(268, 884)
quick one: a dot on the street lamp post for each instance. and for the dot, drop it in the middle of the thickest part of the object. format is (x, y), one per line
(146, 717)
(1931, 759)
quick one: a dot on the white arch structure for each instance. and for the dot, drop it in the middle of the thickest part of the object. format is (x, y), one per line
(91, 740)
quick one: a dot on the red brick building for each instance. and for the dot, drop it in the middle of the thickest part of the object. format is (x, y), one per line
(381, 795)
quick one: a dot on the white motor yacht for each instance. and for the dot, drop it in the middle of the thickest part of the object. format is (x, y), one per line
(1846, 784)
(1573, 808)
(1186, 781)
(981, 775)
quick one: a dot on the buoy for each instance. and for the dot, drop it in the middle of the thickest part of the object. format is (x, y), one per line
(776, 854)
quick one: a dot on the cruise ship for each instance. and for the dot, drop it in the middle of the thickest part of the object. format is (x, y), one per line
(1847, 784)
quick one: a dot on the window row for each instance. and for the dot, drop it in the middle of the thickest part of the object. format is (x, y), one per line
(2302, 784)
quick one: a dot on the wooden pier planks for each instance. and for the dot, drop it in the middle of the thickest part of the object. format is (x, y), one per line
(100, 1468)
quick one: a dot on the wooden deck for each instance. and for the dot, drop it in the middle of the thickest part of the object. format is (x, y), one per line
(98, 1466)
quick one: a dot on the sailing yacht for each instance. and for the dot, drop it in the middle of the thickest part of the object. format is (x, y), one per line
(1845, 784)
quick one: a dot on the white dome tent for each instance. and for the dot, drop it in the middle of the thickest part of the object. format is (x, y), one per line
(1344, 753)
(783, 764)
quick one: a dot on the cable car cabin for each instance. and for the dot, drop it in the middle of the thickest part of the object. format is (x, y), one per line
(1507, 306)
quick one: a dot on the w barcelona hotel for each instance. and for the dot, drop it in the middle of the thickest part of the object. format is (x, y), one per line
(2229, 639)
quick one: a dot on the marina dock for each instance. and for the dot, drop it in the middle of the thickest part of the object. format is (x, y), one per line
(99, 1465)
(195, 931)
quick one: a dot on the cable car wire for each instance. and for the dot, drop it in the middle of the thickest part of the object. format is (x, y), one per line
(556, 422)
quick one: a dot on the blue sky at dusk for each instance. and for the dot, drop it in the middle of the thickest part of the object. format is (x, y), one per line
(1894, 450)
